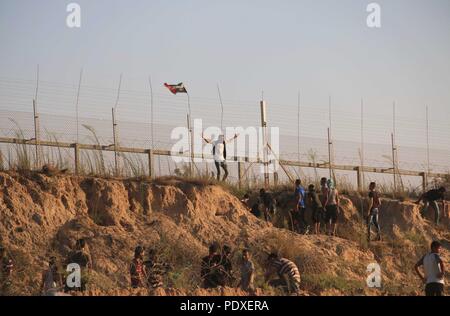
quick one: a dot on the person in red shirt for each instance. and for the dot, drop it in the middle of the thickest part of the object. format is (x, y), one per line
(137, 268)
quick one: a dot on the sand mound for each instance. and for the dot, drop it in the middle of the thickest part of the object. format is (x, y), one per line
(44, 215)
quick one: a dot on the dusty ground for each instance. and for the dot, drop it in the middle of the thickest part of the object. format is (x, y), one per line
(43, 215)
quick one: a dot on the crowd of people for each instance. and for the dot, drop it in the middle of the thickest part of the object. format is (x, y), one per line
(216, 269)
(324, 206)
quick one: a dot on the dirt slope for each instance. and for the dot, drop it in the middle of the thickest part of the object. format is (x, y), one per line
(42, 216)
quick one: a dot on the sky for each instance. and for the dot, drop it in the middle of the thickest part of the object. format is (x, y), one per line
(320, 48)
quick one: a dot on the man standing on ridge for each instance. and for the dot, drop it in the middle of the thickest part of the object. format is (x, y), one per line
(372, 213)
(220, 153)
(267, 204)
(300, 208)
(323, 193)
(316, 208)
(332, 208)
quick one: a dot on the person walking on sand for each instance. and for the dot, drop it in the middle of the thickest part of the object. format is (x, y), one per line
(220, 154)
(431, 197)
(332, 208)
(434, 271)
(372, 212)
(315, 205)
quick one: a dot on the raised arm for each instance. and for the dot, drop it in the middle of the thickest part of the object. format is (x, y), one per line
(206, 139)
(232, 138)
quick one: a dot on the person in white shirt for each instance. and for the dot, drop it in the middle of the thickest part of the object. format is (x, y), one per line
(220, 154)
(434, 271)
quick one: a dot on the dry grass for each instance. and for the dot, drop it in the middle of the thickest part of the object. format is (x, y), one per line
(95, 159)
(22, 158)
(93, 163)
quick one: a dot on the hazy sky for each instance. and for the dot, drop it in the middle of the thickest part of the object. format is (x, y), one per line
(320, 47)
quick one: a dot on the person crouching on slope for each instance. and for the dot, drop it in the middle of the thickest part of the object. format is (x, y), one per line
(431, 197)
(287, 271)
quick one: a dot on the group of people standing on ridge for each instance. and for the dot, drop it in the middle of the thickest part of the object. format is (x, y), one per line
(324, 207)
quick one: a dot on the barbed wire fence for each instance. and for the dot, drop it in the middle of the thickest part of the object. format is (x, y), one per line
(78, 113)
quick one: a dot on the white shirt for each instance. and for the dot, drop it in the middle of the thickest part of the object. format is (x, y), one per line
(219, 150)
(432, 268)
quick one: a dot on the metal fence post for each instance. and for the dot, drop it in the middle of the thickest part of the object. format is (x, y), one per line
(151, 172)
(359, 178)
(424, 181)
(240, 172)
(77, 158)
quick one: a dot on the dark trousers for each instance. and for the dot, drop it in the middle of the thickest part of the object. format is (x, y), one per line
(300, 222)
(434, 289)
(222, 164)
(435, 207)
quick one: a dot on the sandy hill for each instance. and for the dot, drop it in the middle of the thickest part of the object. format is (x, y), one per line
(43, 215)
